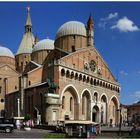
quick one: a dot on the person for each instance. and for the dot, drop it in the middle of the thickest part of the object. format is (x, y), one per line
(18, 124)
(98, 129)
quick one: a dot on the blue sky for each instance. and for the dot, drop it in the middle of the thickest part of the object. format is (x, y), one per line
(117, 33)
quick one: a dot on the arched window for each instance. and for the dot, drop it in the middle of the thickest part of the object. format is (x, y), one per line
(84, 78)
(67, 73)
(72, 74)
(62, 72)
(71, 103)
(100, 83)
(91, 81)
(63, 102)
(113, 111)
(94, 82)
(87, 79)
(80, 77)
(96, 97)
(76, 76)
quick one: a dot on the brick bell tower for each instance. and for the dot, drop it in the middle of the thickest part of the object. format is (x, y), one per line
(90, 32)
(23, 55)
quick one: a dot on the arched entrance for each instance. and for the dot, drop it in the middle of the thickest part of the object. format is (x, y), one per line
(70, 104)
(113, 111)
(86, 105)
(95, 114)
(103, 109)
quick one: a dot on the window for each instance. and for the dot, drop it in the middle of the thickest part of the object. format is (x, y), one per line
(71, 100)
(63, 102)
(73, 48)
(21, 63)
(62, 72)
(2, 100)
(95, 97)
(74, 37)
(113, 111)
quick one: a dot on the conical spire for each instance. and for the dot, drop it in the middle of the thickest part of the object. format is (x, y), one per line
(90, 20)
(36, 39)
(28, 22)
(28, 26)
(90, 31)
(28, 38)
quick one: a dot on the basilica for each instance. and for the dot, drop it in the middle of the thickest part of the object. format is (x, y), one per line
(61, 79)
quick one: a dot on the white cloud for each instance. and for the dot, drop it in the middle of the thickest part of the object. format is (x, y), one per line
(110, 16)
(123, 73)
(137, 94)
(125, 25)
(106, 20)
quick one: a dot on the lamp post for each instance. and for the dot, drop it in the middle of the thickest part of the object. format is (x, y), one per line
(18, 121)
(18, 102)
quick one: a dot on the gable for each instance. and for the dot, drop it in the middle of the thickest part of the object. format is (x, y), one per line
(31, 66)
(7, 71)
(90, 61)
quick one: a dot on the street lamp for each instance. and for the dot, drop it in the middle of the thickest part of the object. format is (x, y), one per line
(18, 102)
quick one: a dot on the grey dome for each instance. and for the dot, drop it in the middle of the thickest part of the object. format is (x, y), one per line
(45, 44)
(6, 52)
(71, 28)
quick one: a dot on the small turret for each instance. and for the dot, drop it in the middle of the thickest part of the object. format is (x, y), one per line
(36, 39)
(90, 33)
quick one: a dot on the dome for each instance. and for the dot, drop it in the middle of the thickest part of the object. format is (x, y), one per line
(71, 28)
(45, 44)
(6, 52)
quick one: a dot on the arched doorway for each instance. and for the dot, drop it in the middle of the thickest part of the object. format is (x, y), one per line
(113, 111)
(95, 114)
(103, 109)
(70, 105)
(86, 105)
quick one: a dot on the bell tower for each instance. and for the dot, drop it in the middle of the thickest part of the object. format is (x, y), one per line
(90, 32)
(23, 55)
